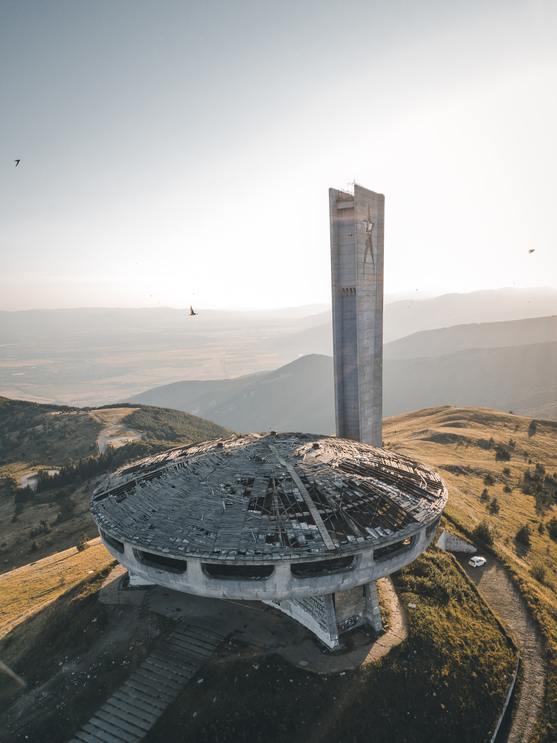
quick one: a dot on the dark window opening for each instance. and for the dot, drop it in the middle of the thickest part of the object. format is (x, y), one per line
(161, 562)
(240, 572)
(114, 543)
(383, 553)
(322, 567)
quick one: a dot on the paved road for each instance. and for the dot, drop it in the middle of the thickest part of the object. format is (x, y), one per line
(496, 586)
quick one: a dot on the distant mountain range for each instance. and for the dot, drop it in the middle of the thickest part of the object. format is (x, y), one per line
(478, 335)
(99, 356)
(295, 397)
(489, 365)
(406, 317)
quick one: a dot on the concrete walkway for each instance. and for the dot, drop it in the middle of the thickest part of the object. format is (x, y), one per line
(499, 591)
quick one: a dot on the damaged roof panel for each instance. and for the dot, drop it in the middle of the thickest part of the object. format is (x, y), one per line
(269, 497)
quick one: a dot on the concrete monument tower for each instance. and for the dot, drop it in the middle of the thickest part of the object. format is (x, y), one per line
(357, 225)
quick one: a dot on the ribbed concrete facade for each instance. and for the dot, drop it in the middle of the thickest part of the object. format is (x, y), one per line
(357, 229)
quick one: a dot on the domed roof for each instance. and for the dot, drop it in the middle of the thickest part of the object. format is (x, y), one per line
(268, 497)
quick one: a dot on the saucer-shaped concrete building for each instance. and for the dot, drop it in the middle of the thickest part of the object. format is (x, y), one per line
(305, 522)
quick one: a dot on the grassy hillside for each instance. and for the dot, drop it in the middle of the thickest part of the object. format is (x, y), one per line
(28, 589)
(300, 395)
(421, 691)
(37, 438)
(164, 425)
(40, 434)
(501, 470)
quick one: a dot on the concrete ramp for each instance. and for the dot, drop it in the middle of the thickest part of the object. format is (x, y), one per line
(451, 543)
(129, 714)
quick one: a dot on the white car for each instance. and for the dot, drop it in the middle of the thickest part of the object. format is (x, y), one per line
(477, 561)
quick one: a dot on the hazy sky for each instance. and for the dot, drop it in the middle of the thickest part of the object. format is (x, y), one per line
(176, 152)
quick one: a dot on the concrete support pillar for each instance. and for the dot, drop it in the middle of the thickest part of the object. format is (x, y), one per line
(372, 606)
(331, 619)
(316, 613)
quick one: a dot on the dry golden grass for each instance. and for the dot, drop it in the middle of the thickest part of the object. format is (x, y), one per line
(447, 438)
(28, 589)
(410, 434)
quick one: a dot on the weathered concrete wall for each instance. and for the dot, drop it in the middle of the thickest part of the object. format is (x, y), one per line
(373, 608)
(451, 543)
(282, 584)
(317, 613)
(330, 615)
(357, 237)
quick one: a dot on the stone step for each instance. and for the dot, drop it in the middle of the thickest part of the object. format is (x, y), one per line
(187, 646)
(138, 698)
(134, 706)
(82, 737)
(192, 630)
(159, 671)
(183, 666)
(157, 663)
(101, 736)
(133, 728)
(149, 690)
(166, 685)
(129, 714)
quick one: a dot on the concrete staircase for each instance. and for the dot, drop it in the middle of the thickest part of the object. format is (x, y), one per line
(129, 714)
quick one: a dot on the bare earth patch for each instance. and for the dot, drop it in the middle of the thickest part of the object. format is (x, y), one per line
(115, 433)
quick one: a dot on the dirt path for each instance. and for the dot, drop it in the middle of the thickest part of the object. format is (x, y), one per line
(115, 432)
(397, 630)
(499, 591)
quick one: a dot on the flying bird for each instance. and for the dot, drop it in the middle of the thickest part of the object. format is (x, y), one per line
(192, 311)
(532, 250)
(17, 162)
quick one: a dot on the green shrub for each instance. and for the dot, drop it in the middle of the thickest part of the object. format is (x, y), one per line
(538, 572)
(8, 487)
(522, 536)
(483, 533)
(494, 507)
(502, 453)
(552, 528)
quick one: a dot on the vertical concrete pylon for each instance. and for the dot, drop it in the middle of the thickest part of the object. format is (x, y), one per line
(357, 227)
